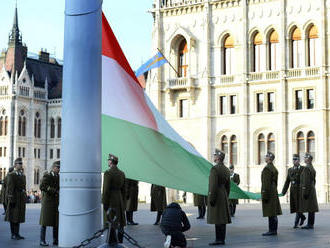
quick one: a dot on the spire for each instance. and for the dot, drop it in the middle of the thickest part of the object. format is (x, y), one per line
(15, 37)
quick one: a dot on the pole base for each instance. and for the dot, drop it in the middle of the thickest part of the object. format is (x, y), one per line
(112, 246)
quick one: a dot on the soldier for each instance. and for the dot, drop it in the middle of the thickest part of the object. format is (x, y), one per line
(16, 198)
(113, 197)
(308, 192)
(49, 205)
(217, 205)
(293, 178)
(132, 193)
(200, 202)
(270, 203)
(158, 201)
(174, 223)
(233, 202)
(4, 190)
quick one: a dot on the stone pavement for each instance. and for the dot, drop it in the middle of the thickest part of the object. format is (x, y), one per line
(245, 231)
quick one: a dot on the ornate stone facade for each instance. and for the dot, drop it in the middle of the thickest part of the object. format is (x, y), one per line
(252, 76)
(30, 109)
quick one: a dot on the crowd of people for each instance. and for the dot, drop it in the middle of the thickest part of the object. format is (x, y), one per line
(120, 200)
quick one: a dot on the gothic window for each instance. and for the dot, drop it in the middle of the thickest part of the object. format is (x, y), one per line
(273, 52)
(233, 104)
(313, 46)
(6, 126)
(36, 176)
(270, 101)
(224, 147)
(296, 49)
(183, 58)
(52, 128)
(223, 105)
(59, 127)
(256, 53)
(271, 143)
(37, 126)
(310, 99)
(261, 148)
(22, 124)
(299, 99)
(260, 102)
(228, 56)
(233, 150)
(183, 108)
(1, 125)
(311, 143)
(300, 144)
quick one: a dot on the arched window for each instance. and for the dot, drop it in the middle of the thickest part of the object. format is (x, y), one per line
(273, 52)
(296, 49)
(300, 144)
(183, 58)
(22, 124)
(271, 143)
(313, 46)
(6, 125)
(37, 126)
(228, 56)
(233, 150)
(36, 176)
(59, 127)
(224, 147)
(261, 148)
(256, 53)
(52, 128)
(311, 143)
(1, 126)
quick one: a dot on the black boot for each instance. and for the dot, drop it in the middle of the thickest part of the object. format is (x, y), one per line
(132, 221)
(296, 221)
(159, 214)
(199, 213)
(203, 211)
(55, 235)
(43, 236)
(302, 219)
(120, 235)
(310, 223)
(220, 233)
(17, 225)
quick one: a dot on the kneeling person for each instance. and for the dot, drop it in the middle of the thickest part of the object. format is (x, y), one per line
(174, 222)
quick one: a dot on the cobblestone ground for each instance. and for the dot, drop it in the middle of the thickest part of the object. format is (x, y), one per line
(245, 231)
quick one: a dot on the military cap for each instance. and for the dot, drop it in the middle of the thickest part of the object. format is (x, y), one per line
(113, 158)
(57, 164)
(295, 156)
(231, 167)
(308, 155)
(219, 153)
(18, 161)
(270, 155)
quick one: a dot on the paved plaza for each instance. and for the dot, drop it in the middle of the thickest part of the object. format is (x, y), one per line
(245, 231)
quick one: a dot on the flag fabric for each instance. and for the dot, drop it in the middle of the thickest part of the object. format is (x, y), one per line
(148, 148)
(156, 61)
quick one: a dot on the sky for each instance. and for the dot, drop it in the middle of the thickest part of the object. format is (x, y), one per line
(41, 23)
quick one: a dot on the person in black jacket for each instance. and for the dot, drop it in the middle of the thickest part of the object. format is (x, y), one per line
(174, 222)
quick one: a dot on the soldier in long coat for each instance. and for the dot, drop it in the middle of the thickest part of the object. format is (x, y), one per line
(233, 202)
(158, 201)
(132, 194)
(270, 203)
(16, 198)
(50, 188)
(113, 198)
(308, 193)
(200, 202)
(4, 190)
(293, 180)
(217, 205)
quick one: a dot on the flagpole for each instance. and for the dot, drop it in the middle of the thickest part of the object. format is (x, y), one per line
(80, 178)
(177, 74)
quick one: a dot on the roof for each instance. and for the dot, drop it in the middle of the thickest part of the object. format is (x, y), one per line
(42, 70)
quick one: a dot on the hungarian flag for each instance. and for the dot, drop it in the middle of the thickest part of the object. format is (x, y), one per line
(148, 148)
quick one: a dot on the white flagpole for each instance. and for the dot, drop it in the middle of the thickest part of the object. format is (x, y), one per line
(80, 178)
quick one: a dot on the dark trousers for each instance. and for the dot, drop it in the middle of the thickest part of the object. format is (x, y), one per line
(116, 236)
(5, 207)
(272, 223)
(232, 208)
(220, 232)
(177, 237)
(14, 228)
(129, 216)
(43, 234)
(159, 215)
(201, 211)
(299, 216)
(311, 218)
